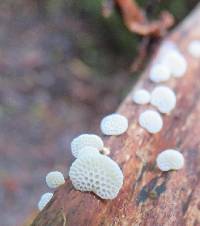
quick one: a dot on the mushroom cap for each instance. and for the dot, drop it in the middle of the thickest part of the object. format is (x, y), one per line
(163, 98)
(87, 150)
(114, 124)
(44, 199)
(166, 47)
(176, 63)
(86, 140)
(151, 121)
(170, 159)
(141, 96)
(96, 173)
(194, 48)
(54, 179)
(159, 73)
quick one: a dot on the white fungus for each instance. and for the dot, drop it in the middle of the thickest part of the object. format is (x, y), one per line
(194, 48)
(86, 140)
(141, 96)
(159, 73)
(87, 150)
(166, 47)
(151, 121)
(96, 173)
(114, 124)
(163, 98)
(175, 62)
(170, 160)
(54, 179)
(44, 199)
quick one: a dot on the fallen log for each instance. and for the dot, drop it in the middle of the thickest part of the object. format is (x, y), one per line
(149, 197)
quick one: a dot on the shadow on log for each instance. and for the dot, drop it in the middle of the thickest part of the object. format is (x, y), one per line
(148, 197)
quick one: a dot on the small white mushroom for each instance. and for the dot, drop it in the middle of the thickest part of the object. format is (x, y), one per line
(141, 96)
(170, 160)
(175, 62)
(159, 73)
(86, 140)
(54, 179)
(87, 150)
(44, 199)
(151, 121)
(163, 98)
(114, 124)
(96, 173)
(166, 47)
(194, 48)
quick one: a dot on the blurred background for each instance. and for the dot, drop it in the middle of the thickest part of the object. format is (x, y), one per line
(62, 68)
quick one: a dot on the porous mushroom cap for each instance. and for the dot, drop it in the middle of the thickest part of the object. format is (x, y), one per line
(194, 48)
(176, 63)
(87, 150)
(170, 160)
(44, 199)
(54, 179)
(114, 124)
(151, 121)
(96, 173)
(163, 98)
(141, 96)
(86, 140)
(159, 73)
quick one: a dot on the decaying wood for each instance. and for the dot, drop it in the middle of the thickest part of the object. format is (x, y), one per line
(136, 21)
(148, 197)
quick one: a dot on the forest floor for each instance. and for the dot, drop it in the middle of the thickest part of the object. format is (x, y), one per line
(48, 95)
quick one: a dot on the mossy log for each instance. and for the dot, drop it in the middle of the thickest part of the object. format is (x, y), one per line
(149, 197)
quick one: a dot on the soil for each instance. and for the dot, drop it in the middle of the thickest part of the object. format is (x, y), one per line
(54, 85)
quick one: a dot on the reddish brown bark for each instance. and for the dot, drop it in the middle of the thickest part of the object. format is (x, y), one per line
(148, 197)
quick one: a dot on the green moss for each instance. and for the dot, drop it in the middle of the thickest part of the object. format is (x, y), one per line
(178, 8)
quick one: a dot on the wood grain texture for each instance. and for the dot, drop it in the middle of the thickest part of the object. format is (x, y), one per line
(148, 197)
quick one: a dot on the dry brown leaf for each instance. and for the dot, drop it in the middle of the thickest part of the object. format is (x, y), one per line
(136, 21)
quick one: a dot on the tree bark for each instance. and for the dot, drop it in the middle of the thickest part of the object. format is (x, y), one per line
(149, 197)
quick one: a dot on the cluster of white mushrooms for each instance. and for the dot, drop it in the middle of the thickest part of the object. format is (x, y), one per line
(92, 170)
